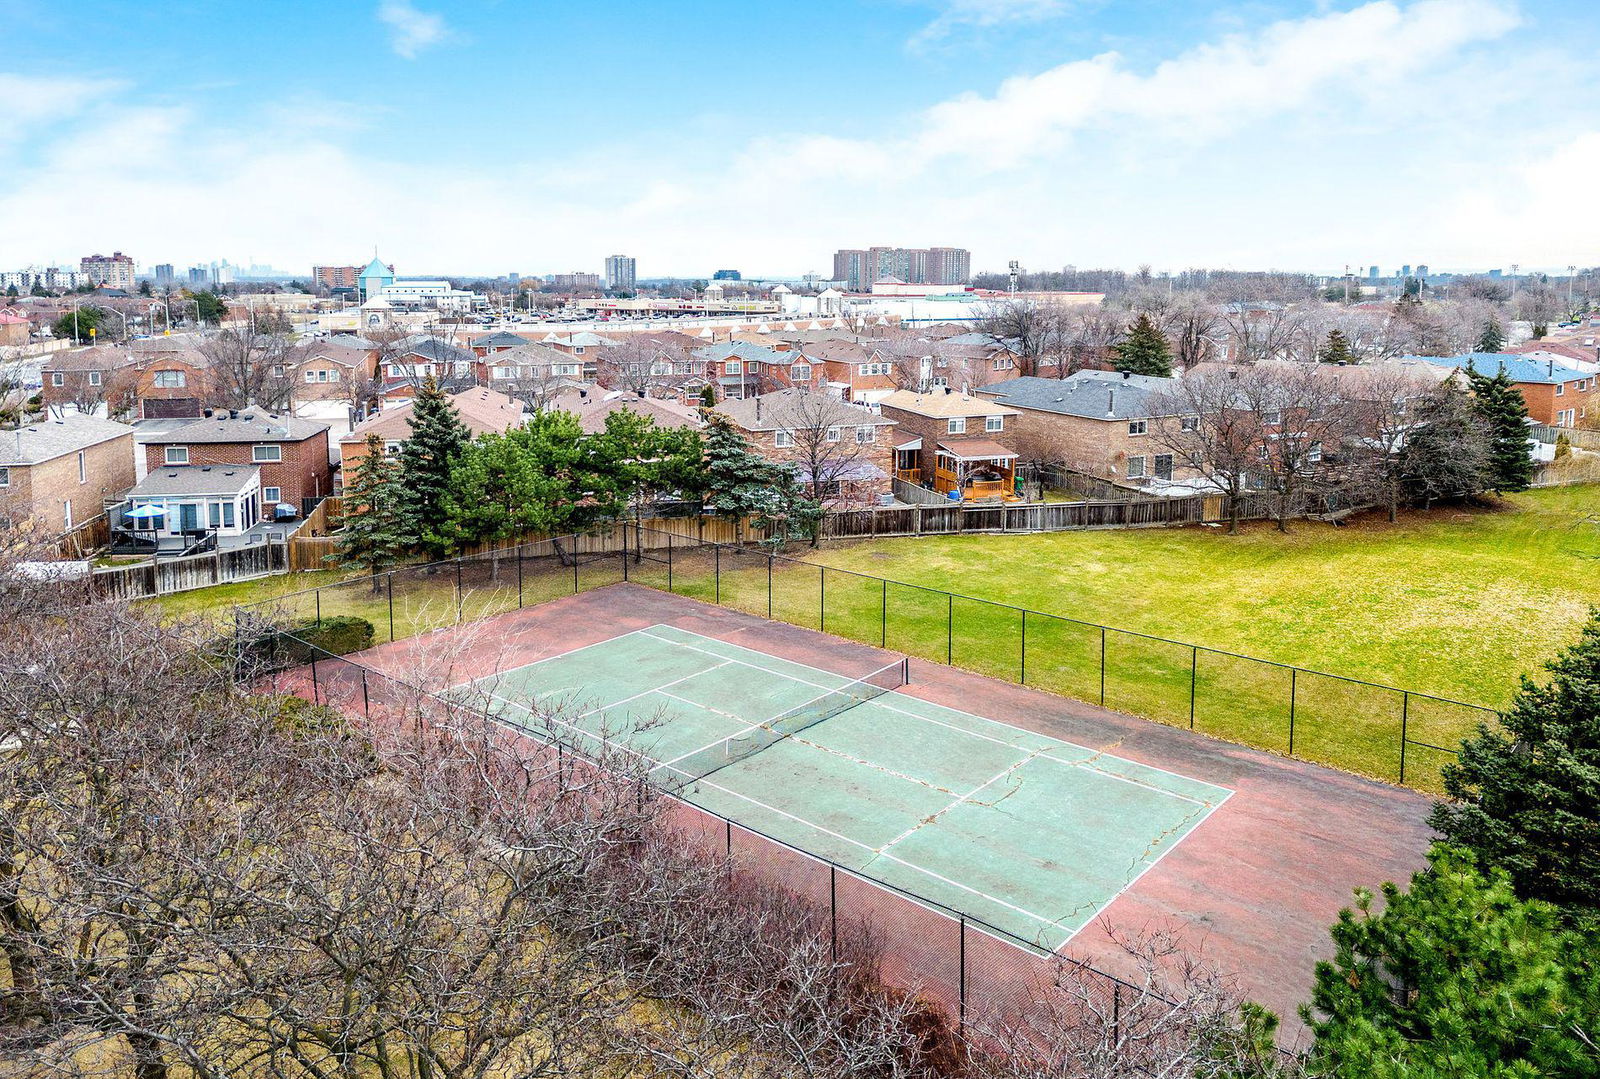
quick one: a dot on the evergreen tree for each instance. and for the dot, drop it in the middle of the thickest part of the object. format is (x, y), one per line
(1499, 403)
(1456, 977)
(1446, 450)
(1144, 351)
(372, 537)
(1493, 337)
(437, 440)
(741, 483)
(505, 485)
(78, 325)
(1336, 349)
(1526, 792)
(708, 396)
(209, 306)
(11, 292)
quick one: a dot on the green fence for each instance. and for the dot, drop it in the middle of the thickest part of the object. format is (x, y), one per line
(1382, 731)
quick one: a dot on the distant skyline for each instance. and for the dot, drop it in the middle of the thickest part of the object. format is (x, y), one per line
(490, 138)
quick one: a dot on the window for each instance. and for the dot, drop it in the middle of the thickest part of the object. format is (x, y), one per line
(564, 368)
(83, 468)
(1003, 363)
(57, 378)
(833, 434)
(1189, 423)
(800, 372)
(1314, 453)
(311, 376)
(94, 378)
(502, 372)
(5, 477)
(1272, 415)
(391, 448)
(171, 380)
(956, 426)
(1561, 389)
(865, 436)
(940, 380)
(1136, 468)
(782, 439)
(266, 453)
(177, 455)
(578, 351)
(271, 494)
(227, 515)
(1138, 427)
(1163, 466)
(994, 423)
(732, 367)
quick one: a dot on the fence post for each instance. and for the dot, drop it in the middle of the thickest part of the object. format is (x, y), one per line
(574, 565)
(669, 561)
(1116, 1018)
(949, 629)
(1194, 669)
(391, 606)
(1102, 666)
(822, 599)
(833, 909)
(318, 594)
(1405, 716)
(883, 615)
(769, 585)
(716, 572)
(366, 702)
(458, 591)
(1294, 677)
(961, 977)
(1023, 678)
(316, 690)
(728, 825)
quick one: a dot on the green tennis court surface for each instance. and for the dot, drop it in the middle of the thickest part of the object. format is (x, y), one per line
(1027, 833)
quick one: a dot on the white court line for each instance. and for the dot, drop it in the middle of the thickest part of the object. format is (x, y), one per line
(1086, 764)
(958, 711)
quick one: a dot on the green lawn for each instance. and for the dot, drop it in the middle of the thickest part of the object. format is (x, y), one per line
(1451, 603)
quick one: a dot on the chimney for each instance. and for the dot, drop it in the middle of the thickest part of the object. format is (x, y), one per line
(1111, 402)
(1126, 375)
(758, 409)
(640, 393)
(233, 413)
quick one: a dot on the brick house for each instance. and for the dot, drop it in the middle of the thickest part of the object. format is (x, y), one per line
(740, 369)
(593, 408)
(1557, 395)
(531, 368)
(172, 383)
(483, 410)
(1098, 423)
(859, 371)
(58, 472)
(954, 442)
(325, 370)
(292, 453)
(498, 341)
(842, 453)
(88, 377)
(14, 329)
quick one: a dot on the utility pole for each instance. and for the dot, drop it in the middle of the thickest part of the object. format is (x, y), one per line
(1514, 268)
(1016, 268)
(1572, 272)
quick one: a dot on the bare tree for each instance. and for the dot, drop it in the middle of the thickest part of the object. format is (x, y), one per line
(1190, 324)
(639, 364)
(251, 368)
(1024, 325)
(1304, 419)
(1211, 421)
(828, 439)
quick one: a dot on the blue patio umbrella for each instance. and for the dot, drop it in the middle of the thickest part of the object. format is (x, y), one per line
(144, 513)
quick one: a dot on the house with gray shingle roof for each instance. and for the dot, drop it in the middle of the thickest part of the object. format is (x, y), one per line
(57, 472)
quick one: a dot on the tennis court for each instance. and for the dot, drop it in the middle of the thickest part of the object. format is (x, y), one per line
(1027, 833)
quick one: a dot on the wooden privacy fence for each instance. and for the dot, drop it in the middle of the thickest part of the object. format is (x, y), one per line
(196, 571)
(86, 538)
(952, 519)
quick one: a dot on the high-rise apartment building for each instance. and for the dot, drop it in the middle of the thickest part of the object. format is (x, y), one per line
(860, 267)
(335, 276)
(575, 281)
(164, 275)
(114, 270)
(620, 272)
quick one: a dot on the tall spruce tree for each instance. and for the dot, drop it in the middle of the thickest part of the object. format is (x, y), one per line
(1526, 792)
(1455, 977)
(430, 453)
(1493, 337)
(1144, 351)
(1501, 406)
(740, 483)
(373, 537)
(1336, 349)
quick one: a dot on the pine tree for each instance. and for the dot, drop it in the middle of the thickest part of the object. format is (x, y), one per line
(1526, 793)
(1500, 404)
(708, 396)
(1336, 349)
(372, 537)
(1446, 449)
(1144, 351)
(437, 440)
(1493, 337)
(741, 483)
(1456, 977)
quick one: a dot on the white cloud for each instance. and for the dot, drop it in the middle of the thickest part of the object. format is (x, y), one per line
(34, 102)
(411, 30)
(962, 15)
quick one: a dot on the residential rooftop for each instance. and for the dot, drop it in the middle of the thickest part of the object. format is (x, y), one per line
(56, 436)
(942, 403)
(249, 425)
(793, 409)
(1097, 395)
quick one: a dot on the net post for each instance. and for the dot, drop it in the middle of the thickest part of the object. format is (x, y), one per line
(1294, 677)
(949, 628)
(883, 614)
(391, 606)
(669, 561)
(519, 576)
(1405, 716)
(833, 910)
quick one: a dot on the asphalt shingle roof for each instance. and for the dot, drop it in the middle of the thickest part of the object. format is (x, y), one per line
(251, 425)
(1099, 395)
(177, 480)
(788, 409)
(52, 437)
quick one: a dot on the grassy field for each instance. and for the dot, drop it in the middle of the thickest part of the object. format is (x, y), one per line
(1451, 603)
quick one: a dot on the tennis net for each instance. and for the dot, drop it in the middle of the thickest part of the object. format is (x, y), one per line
(678, 774)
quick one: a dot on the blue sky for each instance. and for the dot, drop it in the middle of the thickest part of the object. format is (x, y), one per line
(534, 136)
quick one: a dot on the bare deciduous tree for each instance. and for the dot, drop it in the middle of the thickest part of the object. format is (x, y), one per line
(248, 368)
